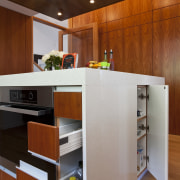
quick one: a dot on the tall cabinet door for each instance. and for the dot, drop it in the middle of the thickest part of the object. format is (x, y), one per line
(157, 115)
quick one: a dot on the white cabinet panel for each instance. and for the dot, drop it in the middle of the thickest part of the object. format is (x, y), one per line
(111, 142)
(158, 104)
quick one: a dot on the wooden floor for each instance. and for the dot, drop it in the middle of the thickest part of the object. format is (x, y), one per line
(174, 159)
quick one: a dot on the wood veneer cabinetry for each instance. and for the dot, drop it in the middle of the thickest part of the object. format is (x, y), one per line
(165, 62)
(68, 105)
(44, 140)
(142, 41)
(15, 42)
(5, 176)
(163, 3)
(23, 176)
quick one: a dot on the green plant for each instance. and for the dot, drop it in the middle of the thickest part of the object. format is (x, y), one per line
(53, 59)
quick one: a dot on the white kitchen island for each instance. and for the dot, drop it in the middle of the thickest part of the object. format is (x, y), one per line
(109, 118)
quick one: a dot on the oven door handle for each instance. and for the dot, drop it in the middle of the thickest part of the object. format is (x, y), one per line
(25, 111)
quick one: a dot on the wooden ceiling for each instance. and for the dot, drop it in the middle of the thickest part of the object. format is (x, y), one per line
(69, 8)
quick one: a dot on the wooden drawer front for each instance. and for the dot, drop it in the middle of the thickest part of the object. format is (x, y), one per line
(44, 140)
(23, 176)
(68, 105)
(5, 176)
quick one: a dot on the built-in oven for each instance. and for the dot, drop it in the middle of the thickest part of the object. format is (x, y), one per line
(18, 105)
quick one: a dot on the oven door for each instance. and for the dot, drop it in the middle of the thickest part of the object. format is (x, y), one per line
(13, 135)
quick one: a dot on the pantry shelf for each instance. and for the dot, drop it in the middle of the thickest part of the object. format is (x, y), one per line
(141, 118)
(141, 136)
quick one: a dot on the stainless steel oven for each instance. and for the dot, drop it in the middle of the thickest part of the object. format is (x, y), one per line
(18, 105)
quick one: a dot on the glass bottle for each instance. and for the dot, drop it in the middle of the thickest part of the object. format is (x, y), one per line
(105, 61)
(111, 61)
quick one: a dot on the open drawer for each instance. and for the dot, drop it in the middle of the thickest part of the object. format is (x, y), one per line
(70, 135)
(43, 140)
(29, 172)
(70, 142)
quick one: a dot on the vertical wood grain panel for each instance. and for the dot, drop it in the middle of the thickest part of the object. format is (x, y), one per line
(163, 3)
(16, 38)
(95, 43)
(29, 44)
(82, 43)
(177, 75)
(164, 54)
(116, 43)
(44, 140)
(131, 21)
(131, 45)
(132, 49)
(127, 8)
(23, 176)
(166, 13)
(15, 42)
(98, 16)
(103, 45)
(145, 63)
(5, 176)
(4, 47)
(68, 105)
(142, 47)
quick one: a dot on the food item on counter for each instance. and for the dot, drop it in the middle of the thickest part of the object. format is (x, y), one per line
(93, 64)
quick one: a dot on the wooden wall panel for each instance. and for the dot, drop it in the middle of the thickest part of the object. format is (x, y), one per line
(127, 8)
(12, 42)
(83, 39)
(166, 13)
(98, 15)
(4, 48)
(146, 61)
(144, 36)
(14, 51)
(29, 45)
(102, 28)
(103, 44)
(116, 43)
(164, 55)
(132, 49)
(163, 3)
(177, 75)
(17, 42)
(130, 21)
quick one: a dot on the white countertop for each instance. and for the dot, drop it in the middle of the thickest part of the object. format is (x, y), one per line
(77, 76)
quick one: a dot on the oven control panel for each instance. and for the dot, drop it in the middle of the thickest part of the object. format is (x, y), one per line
(23, 96)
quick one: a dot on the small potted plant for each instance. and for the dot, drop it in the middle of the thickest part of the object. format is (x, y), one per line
(53, 60)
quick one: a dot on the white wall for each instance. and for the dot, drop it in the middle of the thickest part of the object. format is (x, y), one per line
(45, 38)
